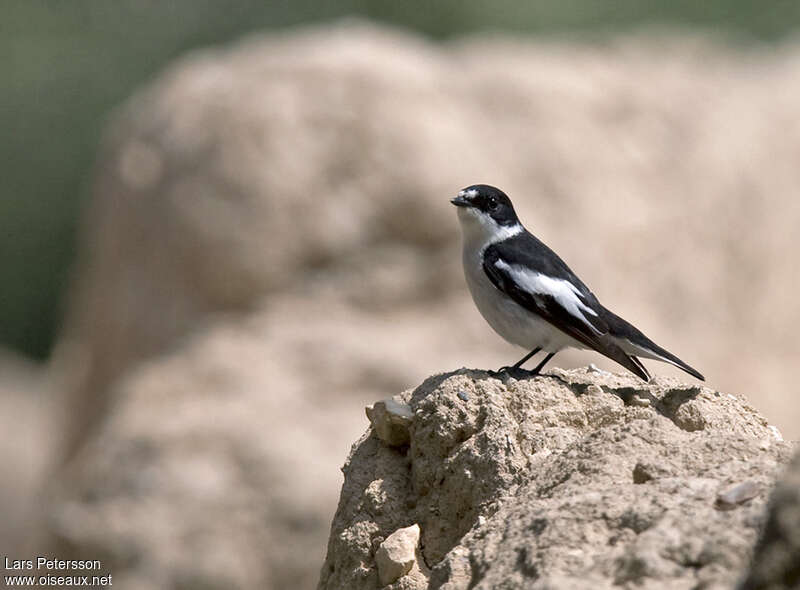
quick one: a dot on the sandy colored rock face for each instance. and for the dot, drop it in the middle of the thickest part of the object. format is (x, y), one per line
(561, 481)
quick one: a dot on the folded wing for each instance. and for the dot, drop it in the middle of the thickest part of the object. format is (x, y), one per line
(558, 297)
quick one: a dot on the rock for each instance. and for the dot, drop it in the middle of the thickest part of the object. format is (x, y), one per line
(397, 554)
(730, 498)
(776, 560)
(530, 484)
(646, 471)
(391, 420)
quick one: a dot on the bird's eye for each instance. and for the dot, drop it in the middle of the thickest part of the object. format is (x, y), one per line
(491, 203)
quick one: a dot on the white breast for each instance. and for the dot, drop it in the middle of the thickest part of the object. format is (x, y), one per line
(512, 321)
(509, 319)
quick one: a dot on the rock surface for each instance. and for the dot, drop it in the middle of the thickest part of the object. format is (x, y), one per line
(776, 560)
(397, 554)
(562, 481)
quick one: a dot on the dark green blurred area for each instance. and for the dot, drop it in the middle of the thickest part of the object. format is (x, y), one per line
(67, 63)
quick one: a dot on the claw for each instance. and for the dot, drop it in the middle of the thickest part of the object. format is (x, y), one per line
(515, 372)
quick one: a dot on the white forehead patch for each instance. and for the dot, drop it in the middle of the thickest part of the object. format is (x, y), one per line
(471, 193)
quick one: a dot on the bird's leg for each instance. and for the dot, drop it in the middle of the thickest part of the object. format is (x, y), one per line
(524, 359)
(541, 365)
(520, 362)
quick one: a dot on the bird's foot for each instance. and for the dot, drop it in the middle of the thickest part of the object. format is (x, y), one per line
(515, 372)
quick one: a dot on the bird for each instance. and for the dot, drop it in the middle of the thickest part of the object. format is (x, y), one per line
(532, 299)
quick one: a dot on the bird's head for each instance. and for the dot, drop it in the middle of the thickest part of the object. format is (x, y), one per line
(485, 211)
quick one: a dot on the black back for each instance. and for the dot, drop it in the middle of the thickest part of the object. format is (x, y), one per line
(527, 250)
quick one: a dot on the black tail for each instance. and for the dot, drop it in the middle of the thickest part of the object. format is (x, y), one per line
(668, 357)
(606, 346)
(634, 342)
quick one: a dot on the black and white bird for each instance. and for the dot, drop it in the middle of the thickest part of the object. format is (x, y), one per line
(531, 297)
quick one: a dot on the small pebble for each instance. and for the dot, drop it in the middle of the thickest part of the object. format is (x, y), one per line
(396, 555)
(595, 369)
(391, 419)
(775, 432)
(463, 396)
(738, 494)
(645, 471)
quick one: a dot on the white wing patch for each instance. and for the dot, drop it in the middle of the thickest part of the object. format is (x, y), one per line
(535, 283)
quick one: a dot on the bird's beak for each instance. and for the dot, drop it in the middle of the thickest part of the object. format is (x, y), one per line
(460, 201)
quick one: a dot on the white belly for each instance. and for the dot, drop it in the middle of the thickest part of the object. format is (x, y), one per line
(509, 319)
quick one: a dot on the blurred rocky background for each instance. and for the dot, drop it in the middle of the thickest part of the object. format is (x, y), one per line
(224, 233)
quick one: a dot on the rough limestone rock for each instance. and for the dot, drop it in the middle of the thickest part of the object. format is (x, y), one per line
(397, 554)
(574, 479)
(390, 420)
(776, 560)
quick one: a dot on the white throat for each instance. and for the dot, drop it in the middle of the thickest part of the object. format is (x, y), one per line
(481, 231)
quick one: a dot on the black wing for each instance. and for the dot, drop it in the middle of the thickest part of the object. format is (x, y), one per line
(506, 264)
